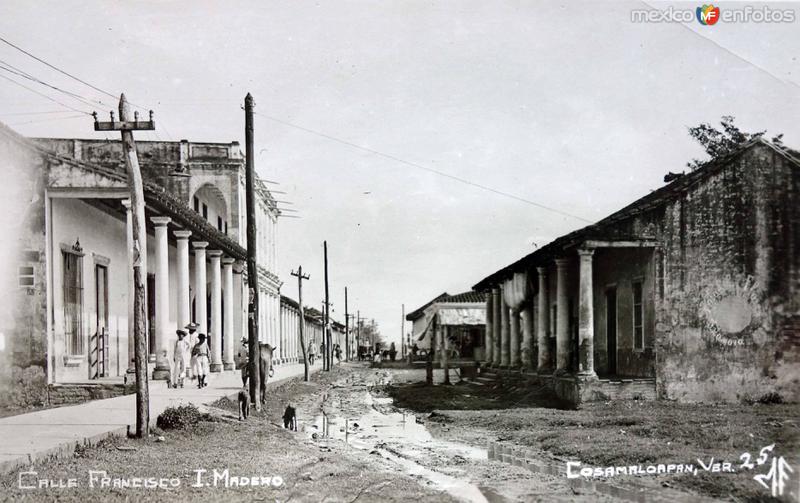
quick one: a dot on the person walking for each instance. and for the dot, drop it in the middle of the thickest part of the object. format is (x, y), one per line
(200, 353)
(180, 358)
(191, 339)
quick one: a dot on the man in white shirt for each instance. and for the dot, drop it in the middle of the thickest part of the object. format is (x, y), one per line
(180, 359)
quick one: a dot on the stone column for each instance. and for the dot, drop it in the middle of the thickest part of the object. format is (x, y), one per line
(200, 295)
(514, 337)
(488, 352)
(562, 317)
(505, 329)
(162, 369)
(526, 316)
(496, 326)
(184, 296)
(227, 330)
(543, 325)
(216, 311)
(586, 315)
(129, 229)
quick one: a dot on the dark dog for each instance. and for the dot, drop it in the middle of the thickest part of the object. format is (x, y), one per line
(244, 404)
(290, 418)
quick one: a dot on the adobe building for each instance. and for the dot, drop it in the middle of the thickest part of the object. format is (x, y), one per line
(690, 293)
(66, 263)
(461, 318)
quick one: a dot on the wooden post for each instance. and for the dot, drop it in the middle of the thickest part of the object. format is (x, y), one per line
(402, 331)
(303, 346)
(126, 127)
(327, 335)
(346, 329)
(254, 350)
(444, 357)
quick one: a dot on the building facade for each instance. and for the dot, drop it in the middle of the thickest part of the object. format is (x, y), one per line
(69, 266)
(691, 293)
(460, 319)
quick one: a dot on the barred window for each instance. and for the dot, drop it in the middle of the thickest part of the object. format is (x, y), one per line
(73, 301)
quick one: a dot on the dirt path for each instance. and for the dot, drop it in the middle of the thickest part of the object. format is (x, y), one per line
(354, 414)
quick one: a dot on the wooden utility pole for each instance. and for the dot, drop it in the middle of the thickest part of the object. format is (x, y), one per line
(346, 329)
(402, 331)
(328, 338)
(358, 330)
(127, 127)
(253, 347)
(300, 277)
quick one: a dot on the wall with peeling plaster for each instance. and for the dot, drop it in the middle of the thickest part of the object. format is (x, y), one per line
(727, 327)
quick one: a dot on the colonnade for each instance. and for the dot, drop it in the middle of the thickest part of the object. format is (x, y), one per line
(519, 325)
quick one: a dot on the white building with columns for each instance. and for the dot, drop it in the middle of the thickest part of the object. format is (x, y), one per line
(73, 305)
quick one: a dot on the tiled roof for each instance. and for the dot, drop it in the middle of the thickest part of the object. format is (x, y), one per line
(604, 229)
(446, 298)
(469, 296)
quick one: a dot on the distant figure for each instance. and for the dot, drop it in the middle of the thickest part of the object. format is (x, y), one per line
(192, 340)
(244, 404)
(180, 358)
(290, 418)
(200, 354)
(337, 350)
(392, 351)
(414, 349)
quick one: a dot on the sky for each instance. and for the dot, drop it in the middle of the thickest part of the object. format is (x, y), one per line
(569, 106)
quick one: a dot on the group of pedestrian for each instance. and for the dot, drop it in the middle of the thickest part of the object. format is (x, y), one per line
(190, 358)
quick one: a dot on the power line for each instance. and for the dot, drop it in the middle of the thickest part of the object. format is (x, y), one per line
(35, 113)
(57, 69)
(735, 55)
(40, 60)
(16, 71)
(48, 120)
(43, 95)
(425, 168)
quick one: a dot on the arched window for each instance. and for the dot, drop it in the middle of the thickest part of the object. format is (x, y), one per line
(209, 201)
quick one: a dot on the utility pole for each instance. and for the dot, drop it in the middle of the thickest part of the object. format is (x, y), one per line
(127, 127)
(328, 339)
(254, 349)
(300, 277)
(346, 329)
(358, 330)
(402, 331)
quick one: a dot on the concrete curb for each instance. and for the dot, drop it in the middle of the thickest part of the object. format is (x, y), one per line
(67, 449)
(274, 383)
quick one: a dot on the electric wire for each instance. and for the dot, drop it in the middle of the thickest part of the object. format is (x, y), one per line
(425, 168)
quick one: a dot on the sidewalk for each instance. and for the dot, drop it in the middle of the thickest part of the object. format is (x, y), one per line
(28, 438)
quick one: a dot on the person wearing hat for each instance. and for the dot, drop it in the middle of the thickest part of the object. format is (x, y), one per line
(200, 353)
(180, 359)
(191, 339)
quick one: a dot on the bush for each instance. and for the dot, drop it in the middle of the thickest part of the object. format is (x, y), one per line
(771, 398)
(177, 418)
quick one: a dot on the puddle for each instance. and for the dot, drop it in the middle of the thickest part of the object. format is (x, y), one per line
(398, 437)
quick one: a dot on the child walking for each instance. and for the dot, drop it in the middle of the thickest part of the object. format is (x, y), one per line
(200, 353)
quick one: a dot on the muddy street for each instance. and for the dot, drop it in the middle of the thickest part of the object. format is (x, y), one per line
(354, 416)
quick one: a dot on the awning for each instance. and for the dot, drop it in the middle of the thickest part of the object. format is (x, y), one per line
(462, 316)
